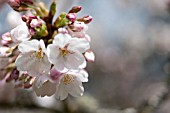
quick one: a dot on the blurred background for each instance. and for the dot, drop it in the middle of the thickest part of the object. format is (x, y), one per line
(131, 41)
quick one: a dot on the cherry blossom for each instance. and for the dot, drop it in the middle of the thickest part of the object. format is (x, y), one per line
(33, 58)
(66, 52)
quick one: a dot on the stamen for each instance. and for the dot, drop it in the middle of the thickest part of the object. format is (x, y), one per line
(68, 79)
(63, 51)
(40, 54)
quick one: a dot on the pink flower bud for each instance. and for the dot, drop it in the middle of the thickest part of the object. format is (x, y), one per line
(14, 3)
(87, 19)
(71, 17)
(24, 18)
(32, 17)
(35, 23)
(75, 9)
(32, 31)
(27, 1)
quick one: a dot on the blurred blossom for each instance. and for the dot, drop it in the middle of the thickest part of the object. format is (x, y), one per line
(14, 19)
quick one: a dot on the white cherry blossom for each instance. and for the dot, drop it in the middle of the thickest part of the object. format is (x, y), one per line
(71, 83)
(33, 58)
(66, 52)
(20, 34)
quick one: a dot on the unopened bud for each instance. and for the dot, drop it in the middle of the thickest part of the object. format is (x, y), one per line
(14, 3)
(27, 1)
(32, 17)
(24, 18)
(86, 19)
(32, 31)
(35, 23)
(71, 17)
(75, 9)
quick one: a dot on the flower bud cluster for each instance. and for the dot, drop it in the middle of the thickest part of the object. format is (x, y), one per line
(49, 57)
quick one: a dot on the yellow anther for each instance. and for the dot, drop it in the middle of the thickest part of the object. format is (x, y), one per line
(64, 51)
(68, 79)
(39, 54)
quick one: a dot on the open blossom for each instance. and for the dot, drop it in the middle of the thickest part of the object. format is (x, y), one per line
(20, 33)
(63, 84)
(66, 52)
(71, 83)
(33, 58)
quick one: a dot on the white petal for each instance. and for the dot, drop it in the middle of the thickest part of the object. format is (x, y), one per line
(89, 55)
(20, 33)
(47, 89)
(82, 75)
(75, 88)
(61, 93)
(61, 40)
(60, 64)
(77, 44)
(4, 51)
(53, 53)
(42, 45)
(34, 66)
(75, 61)
(28, 46)
(24, 62)
(41, 80)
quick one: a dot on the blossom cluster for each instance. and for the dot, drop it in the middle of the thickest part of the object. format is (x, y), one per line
(46, 54)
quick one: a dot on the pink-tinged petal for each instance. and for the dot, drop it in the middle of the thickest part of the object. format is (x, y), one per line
(53, 53)
(47, 89)
(75, 88)
(61, 93)
(75, 61)
(55, 75)
(28, 46)
(89, 55)
(77, 44)
(61, 40)
(6, 36)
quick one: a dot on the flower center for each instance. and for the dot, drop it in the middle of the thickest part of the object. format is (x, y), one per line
(39, 54)
(63, 51)
(68, 79)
